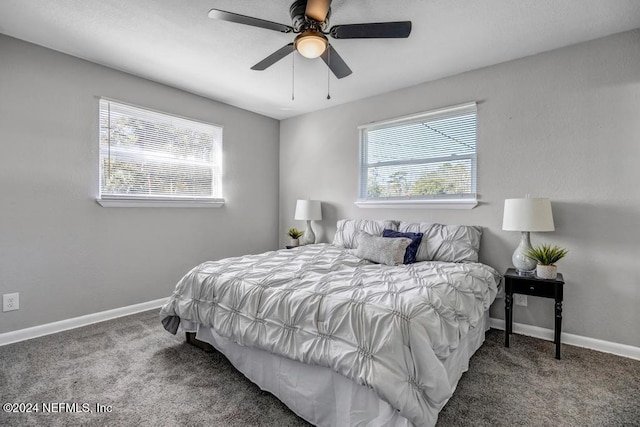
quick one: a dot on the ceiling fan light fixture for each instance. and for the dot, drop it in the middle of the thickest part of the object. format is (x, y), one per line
(310, 21)
(311, 44)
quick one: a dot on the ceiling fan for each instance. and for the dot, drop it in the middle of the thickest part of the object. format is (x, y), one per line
(310, 20)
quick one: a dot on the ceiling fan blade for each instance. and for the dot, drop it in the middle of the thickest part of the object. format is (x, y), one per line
(335, 63)
(248, 20)
(273, 58)
(317, 9)
(377, 30)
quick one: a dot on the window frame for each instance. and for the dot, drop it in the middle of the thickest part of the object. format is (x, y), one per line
(121, 200)
(467, 201)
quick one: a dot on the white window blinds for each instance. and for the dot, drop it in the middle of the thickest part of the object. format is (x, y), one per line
(430, 156)
(150, 155)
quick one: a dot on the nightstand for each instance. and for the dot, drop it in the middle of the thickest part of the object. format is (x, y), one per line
(515, 283)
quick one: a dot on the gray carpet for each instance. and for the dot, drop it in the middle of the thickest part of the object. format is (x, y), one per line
(150, 377)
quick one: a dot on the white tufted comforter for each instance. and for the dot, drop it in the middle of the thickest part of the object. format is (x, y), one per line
(383, 327)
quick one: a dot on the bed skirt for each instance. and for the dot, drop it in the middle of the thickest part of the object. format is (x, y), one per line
(320, 395)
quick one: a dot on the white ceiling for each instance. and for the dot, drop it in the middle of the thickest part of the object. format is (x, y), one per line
(175, 43)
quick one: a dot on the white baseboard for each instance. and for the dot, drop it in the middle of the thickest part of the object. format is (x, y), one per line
(571, 339)
(76, 322)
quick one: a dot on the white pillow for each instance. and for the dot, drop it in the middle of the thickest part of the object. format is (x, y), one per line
(347, 231)
(451, 243)
(382, 250)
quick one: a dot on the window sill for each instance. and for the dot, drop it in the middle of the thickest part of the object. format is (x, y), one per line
(418, 204)
(151, 203)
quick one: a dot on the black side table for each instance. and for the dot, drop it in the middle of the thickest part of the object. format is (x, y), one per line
(515, 283)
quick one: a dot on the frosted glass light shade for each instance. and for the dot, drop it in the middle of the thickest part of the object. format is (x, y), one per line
(308, 210)
(527, 215)
(311, 45)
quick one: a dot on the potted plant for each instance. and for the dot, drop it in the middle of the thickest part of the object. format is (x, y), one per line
(547, 256)
(295, 235)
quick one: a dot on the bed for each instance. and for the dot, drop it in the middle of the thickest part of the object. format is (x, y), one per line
(342, 340)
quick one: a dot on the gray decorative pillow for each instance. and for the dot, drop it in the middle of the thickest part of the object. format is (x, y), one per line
(382, 250)
(451, 243)
(347, 231)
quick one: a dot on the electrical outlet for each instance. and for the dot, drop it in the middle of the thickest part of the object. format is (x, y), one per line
(520, 299)
(10, 302)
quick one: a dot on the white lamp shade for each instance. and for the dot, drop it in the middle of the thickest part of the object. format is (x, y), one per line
(527, 215)
(308, 210)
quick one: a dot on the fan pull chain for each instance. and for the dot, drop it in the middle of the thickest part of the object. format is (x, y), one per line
(328, 72)
(293, 73)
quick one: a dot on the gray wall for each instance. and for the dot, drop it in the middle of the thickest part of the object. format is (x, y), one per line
(68, 256)
(563, 124)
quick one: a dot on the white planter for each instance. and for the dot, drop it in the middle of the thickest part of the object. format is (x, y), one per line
(547, 271)
(294, 242)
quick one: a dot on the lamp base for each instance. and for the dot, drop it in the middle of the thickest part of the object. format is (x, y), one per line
(524, 265)
(309, 236)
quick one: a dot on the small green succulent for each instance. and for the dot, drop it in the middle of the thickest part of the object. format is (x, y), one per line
(547, 254)
(294, 233)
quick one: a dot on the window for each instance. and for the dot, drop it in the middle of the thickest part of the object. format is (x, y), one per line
(152, 158)
(427, 159)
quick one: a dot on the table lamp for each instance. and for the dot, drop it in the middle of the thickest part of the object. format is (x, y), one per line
(308, 210)
(526, 215)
